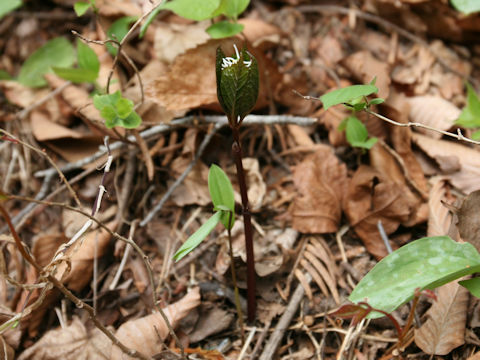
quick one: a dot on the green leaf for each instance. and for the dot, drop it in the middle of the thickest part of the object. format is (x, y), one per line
(237, 84)
(197, 10)
(7, 6)
(470, 116)
(149, 20)
(231, 8)
(472, 285)
(118, 30)
(221, 192)
(56, 52)
(355, 131)
(81, 7)
(224, 29)
(426, 263)
(198, 236)
(466, 6)
(4, 75)
(117, 111)
(476, 135)
(367, 144)
(86, 58)
(345, 95)
(377, 101)
(76, 75)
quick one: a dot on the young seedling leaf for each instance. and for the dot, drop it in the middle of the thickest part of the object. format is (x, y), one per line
(224, 29)
(118, 30)
(377, 101)
(231, 8)
(117, 111)
(237, 83)
(466, 6)
(221, 192)
(75, 75)
(198, 11)
(81, 7)
(426, 263)
(355, 131)
(86, 57)
(57, 52)
(472, 285)
(198, 236)
(7, 6)
(470, 116)
(346, 95)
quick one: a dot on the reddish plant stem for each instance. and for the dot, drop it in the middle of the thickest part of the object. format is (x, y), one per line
(247, 223)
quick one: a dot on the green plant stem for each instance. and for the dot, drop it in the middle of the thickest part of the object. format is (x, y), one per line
(247, 223)
(234, 279)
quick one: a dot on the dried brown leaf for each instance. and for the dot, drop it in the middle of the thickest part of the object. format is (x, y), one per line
(433, 111)
(147, 334)
(212, 321)
(371, 197)
(320, 181)
(73, 342)
(439, 218)
(445, 328)
(468, 221)
(6, 351)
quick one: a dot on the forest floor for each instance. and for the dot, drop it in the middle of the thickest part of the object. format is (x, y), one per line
(318, 204)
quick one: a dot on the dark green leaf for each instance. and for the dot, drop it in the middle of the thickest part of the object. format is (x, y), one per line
(56, 52)
(198, 236)
(118, 30)
(221, 192)
(346, 95)
(237, 84)
(86, 58)
(426, 263)
(466, 6)
(472, 285)
(81, 7)
(7, 6)
(76, 75)
(224, 29)
(4, 75)
(470, 116)
(198, 10)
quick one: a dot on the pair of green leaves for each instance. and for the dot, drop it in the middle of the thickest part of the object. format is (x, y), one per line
(354, 97)
(221, 193)
(426, 263)
(203, 10)
(88, 66)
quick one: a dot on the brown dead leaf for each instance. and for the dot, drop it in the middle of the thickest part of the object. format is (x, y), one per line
(439, 217)
(433, 111)
(461, 164)
(365, 67)
(21, 95)
(256, 186)
(445, 328)
(475, 356)
(194, 189)
(147, 334)
(320, 180)
(73, 342)
(371, 197)
(6, 351)
(468, 221)
(44, 129)
(212, 321)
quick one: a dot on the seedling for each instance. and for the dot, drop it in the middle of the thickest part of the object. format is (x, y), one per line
(88, 66)
(204, 10)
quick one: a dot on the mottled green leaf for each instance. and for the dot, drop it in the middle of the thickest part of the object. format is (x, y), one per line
(57, 52)
(198, 236)
(221, 193)
(424, 264)
(346, 95)
(224, 29)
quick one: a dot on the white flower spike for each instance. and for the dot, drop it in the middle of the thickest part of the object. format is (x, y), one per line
(229, 61)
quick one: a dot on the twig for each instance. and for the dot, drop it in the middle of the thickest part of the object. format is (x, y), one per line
(247, 343)
(282, 325)
(166, 196)
(116, 278)
(458, 135)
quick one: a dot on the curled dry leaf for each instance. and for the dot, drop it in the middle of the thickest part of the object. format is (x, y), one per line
(460, 164)
(433, 111)
(445, 328)
(371, 196)
(468, 221)
(73, 342)
(148, 333)
(321, 181)
(439, 217)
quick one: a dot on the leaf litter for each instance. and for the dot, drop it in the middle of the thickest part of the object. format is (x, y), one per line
(303, 181)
